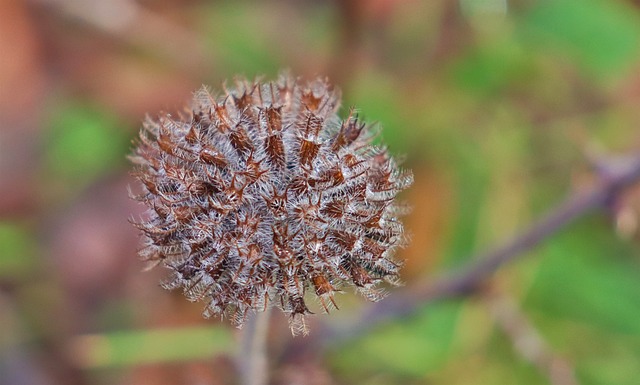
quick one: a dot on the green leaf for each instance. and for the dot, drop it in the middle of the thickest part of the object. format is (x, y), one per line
(239, 38)
(377, 100)
(472, 178)
(409, 348)
(126, 348)
(17, 255)
(84, 141)
(589, 276)
(493, 66)
(601, 35)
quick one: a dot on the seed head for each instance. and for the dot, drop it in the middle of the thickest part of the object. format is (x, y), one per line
(262, 195)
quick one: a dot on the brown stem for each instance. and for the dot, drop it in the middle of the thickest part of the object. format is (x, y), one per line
(615, 176)
(526, 340)
(252, 358)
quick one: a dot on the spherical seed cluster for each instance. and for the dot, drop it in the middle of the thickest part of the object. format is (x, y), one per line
(263, 194)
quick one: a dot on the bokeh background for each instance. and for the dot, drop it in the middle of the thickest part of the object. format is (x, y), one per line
(501, 108)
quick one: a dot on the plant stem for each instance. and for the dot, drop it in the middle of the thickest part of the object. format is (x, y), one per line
(615, 175)
(252, 358)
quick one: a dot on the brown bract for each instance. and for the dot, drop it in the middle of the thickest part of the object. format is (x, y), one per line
(262, 195)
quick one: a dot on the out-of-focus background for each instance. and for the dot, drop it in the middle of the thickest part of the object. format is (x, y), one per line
(501, 108)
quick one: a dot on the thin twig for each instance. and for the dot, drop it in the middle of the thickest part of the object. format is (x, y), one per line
(252, 359)
(615, 176)
(526, 340)
(134, 24)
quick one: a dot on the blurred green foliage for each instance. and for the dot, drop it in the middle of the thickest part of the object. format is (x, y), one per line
(586, 291)
(18, 251)
(506, 115)
(241, 52)
(582, 288)
(85, 141)
(601, 36)
(409, 349)
(126, 348)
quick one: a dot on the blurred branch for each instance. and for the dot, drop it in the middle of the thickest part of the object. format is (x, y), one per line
(133, 24)
(614, 174)
(252, 358)
(526, 341)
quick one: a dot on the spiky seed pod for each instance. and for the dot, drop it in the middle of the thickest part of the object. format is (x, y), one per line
(263, 194)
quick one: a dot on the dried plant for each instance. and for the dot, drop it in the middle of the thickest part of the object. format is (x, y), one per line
(260, 195)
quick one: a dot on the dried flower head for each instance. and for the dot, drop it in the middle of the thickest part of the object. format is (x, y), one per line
(263, 194)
